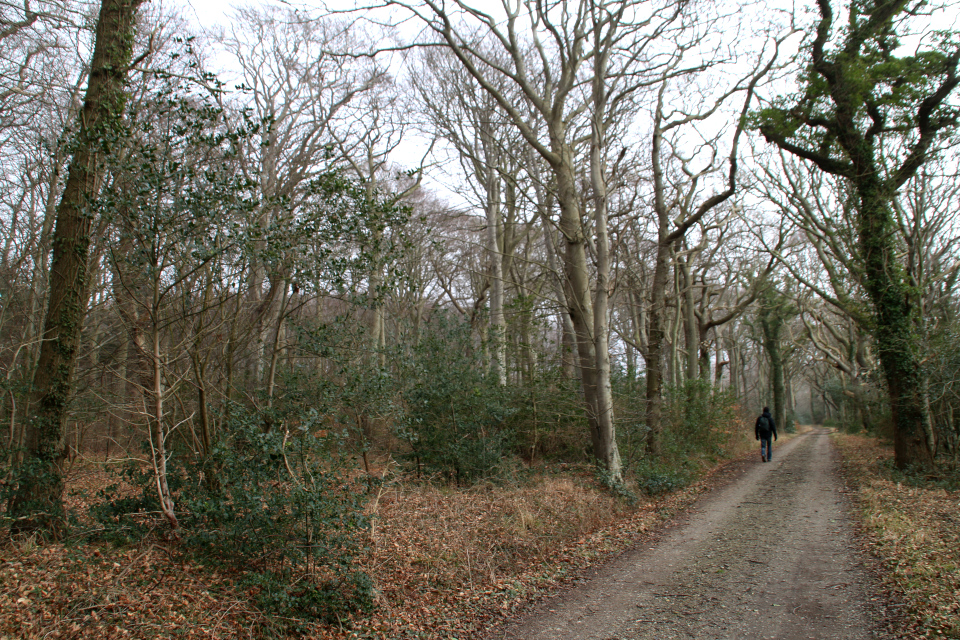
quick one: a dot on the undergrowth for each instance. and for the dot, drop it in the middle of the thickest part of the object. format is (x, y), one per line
(912, 527)
(278, 509)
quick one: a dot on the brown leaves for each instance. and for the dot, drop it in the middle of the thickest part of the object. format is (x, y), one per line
(915, 532)
(447, 563)
(97, 592)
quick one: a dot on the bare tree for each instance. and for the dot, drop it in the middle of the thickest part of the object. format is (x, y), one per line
(564, 43)
(491, 156)
(676, 209)
(298, 85)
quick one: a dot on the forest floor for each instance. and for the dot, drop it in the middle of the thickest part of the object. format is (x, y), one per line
(458, 564)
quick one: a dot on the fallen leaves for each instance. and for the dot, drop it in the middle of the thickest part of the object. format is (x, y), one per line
(447, 563)
(915, 533)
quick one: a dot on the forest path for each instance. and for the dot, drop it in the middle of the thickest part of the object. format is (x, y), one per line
(769, 555)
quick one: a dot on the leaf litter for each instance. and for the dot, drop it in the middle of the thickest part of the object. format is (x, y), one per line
(446, 562)
(912, 526)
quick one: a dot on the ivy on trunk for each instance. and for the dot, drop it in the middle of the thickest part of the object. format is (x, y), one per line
(874, 118)
(38, 500)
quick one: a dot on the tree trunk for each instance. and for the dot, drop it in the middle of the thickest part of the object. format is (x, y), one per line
(577, 291)
(655, 340)
(898, 342)
(497, 335)
(771, 319)
(275, 349)
(735, 371)
(601, 330)
(38, 502)
(705, 346)
(158, 441)
(568, 364)
(690, 325)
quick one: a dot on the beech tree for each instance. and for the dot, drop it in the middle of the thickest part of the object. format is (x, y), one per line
(38, 502)
(874, 117)
(496, 165)
(548, 53)
(679, 205)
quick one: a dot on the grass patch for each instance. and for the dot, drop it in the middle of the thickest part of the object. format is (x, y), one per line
(914, 529)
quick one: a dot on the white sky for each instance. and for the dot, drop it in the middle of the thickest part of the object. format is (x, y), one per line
(208, 14)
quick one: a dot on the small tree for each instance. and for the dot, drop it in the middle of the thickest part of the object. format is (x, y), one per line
(454, 418)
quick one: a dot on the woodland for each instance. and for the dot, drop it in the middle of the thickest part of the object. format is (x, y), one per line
(255, 271)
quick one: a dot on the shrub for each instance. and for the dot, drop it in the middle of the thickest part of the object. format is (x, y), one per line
(656, 479)
(549, 420)
(276, 507)
(454, 417)
(699, 422)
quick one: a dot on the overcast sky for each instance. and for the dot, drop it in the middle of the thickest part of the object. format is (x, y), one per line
(207, 14)
(212, 12)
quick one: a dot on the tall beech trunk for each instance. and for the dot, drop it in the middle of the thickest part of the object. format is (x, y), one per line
(567, 346)
(38, 501)
(577, 290)
(498, 326)
(655, 339)
(606, 425)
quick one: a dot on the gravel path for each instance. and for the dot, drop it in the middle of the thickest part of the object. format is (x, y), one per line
(768, 555)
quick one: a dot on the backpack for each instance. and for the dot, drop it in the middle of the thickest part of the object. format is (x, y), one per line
(763, 425)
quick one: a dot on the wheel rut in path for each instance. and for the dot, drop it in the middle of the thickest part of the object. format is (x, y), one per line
(769, 555)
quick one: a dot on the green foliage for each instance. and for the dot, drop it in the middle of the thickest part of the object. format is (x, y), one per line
(631, 408)
(943, 478)
(859, 408)
(548, 420)
(335, 238)
(698, 424)
(455, 417)
(699, 420)
(29, 481)
(860, 80)
(294, 602)
(616, 486)
(178, 191)
(655, 479)
(790, 425)
(276, 506)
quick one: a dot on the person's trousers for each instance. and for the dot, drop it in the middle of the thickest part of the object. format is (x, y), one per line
(766, 448)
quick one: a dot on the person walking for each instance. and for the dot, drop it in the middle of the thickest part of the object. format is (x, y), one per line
(765, 430)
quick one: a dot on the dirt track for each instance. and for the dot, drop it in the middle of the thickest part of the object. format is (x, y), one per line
(768, 555)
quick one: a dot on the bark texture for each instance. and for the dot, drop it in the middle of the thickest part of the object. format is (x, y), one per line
(38, 501)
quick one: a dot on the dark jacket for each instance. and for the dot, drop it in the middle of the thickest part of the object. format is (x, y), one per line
(763, 433)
